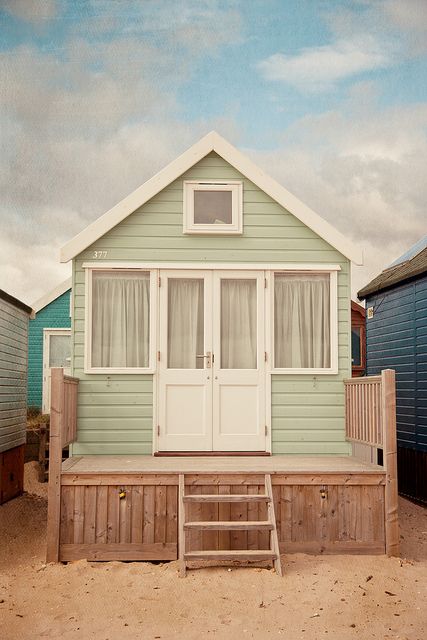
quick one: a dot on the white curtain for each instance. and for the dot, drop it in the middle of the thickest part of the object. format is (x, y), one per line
(185, 323)
(302, 321)
(238, 324)
(120, 319)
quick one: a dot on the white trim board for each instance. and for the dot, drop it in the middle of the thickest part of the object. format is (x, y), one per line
(42, 302)
(222, 266)
(211, 142)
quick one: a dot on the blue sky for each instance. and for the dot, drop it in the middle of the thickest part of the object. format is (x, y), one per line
(327, 96)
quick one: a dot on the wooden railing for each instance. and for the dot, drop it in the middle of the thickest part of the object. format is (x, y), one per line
(370, 419)
(63, 431)
(363, 402)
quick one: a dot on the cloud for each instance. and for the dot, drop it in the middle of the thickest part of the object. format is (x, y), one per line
(363, 171)
(34, 11)
(319, 68)
(409, 16)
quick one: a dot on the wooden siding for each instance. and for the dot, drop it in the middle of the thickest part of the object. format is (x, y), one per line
(13, 375)
(136, 518)
(115, 412)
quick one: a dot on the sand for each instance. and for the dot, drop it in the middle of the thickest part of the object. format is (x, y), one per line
(333, 597)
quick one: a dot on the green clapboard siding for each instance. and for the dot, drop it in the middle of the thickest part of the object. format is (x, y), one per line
(115, 413)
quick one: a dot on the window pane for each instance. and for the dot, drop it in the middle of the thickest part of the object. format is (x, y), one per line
(355, 346)
(302, 321)
(212, 207)
(120, 319)
(185, 323)
(238, 324)
(59, 351)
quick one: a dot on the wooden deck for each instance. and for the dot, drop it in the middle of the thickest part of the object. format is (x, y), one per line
(316, 465)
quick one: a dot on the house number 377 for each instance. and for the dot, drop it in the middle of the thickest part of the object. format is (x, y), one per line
(100, 255)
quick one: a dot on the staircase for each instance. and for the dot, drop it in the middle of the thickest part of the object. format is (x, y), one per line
(235, 555)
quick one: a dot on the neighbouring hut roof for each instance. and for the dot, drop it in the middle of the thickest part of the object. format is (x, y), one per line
(397, 273)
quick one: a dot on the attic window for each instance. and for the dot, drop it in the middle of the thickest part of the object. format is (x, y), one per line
(213, 207)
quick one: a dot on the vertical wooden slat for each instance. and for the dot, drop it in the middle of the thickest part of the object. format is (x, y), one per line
(172, 514)
(253, 511)
(181, 522)
(209, 513)
(89, 523)
(149, 505)
(101, 513)
(137, 514)
(79, 513)
(224, 512)
(285, 513)
(113, 528)
(388, 401)
(55, 462)
(239, 511)
(67, 513)
(125, 515)
(160, 514)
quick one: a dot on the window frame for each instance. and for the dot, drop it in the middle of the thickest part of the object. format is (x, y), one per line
(333, 300)
(151, 368)
(236, 188)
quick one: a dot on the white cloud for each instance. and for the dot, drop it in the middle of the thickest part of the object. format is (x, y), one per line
(34, 11)
(319, 68)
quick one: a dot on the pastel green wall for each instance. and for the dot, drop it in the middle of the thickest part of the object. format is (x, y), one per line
(115, 412)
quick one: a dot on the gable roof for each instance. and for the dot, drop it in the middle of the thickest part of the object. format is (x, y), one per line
(42, 302)
(211, 142)
(415, 266)
(15, 302)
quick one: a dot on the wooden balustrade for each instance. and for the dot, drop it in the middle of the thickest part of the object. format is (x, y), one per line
(63, 430)
(370, 419)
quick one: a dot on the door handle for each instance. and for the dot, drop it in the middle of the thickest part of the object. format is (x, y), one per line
(208, 357)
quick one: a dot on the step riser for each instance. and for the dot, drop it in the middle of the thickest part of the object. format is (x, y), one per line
(230, 555)
(256, 525)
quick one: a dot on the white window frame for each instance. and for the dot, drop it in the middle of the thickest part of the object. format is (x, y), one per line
(88, 368)
(236, 188)
(333, 297)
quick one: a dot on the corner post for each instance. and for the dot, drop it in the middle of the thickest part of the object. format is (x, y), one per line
(388, 402)
(55, 462)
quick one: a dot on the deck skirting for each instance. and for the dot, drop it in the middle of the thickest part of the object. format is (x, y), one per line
(134, 516)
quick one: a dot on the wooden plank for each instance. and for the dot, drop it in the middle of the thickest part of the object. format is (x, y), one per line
(101, 514)
(118, 551)
(181, 522)
(253, 515)
(236, 497)
(160, 514)
(286, 495)
(79, 514)
(224, 511)
(113, 526)
(274, 543)
(172, 514)
(149, 506)
(137, 514)
(119, 479)
(234, 554)
(242, 525)
(388, 402)
(330, 547)
(67, 515)
(89, 524)
(55, 460)
(125, 514)
(209, 513)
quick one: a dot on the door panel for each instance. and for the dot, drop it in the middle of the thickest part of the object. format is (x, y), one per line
(185, 378)
(239, 372)
(56, 353)
(211, 391)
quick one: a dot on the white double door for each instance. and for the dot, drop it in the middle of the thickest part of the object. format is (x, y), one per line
(211, 384)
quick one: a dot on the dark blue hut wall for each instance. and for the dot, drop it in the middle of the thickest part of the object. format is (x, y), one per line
(396, 338)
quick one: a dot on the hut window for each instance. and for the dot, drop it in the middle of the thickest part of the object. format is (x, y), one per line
(213, 207)
(302, 321)
(120, 331)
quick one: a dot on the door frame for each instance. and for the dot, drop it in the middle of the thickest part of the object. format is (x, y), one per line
(185, 267)
(47, 332)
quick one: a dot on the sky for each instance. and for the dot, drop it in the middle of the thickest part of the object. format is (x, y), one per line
(327, 96)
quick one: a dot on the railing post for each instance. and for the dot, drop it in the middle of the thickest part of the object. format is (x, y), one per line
(388, 402)
(55, 462)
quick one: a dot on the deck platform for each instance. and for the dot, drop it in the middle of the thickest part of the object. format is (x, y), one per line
(126, 507)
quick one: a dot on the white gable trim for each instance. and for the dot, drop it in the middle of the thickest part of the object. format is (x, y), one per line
(211, 142)
(42, 302)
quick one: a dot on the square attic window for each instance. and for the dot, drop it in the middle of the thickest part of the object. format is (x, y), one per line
(213, 207)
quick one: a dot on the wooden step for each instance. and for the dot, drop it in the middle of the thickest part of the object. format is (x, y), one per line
(230, 525)
(226, 497)
(238, 555)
